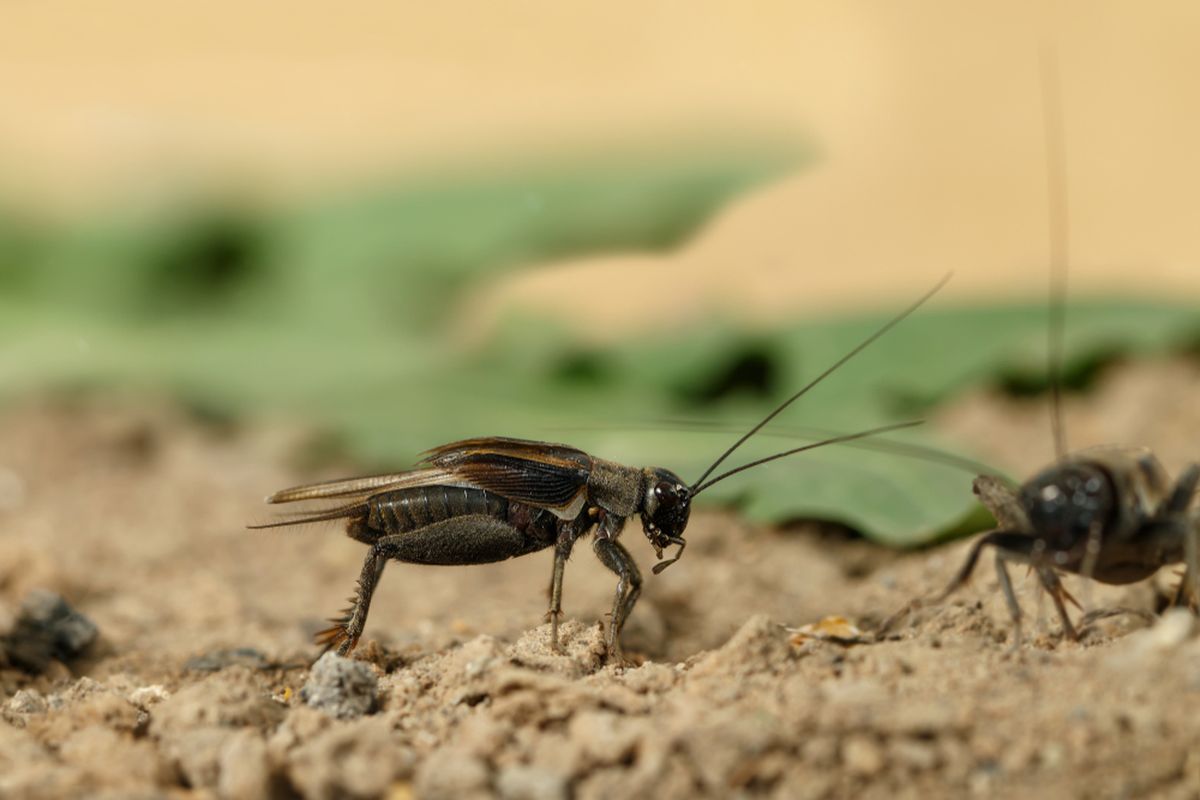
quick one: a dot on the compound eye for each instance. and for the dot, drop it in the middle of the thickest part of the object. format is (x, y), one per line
(664, 496)
(668, 492)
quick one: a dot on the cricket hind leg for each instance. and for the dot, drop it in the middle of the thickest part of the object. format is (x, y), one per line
(469, 539)
(343, 635)
(613, 555)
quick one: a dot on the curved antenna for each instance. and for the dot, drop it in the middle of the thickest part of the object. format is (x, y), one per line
(917, 452)
(849, 437)
(1056, 198)
(858, 349)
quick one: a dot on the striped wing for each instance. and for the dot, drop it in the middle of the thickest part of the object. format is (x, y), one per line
(362, 487)
(550, 476)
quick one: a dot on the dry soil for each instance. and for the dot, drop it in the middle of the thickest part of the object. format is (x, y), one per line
(196, 685)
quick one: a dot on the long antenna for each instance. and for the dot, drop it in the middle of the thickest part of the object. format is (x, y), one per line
(779, 409)
(1056, 197)
(911, 450)
(848, 437)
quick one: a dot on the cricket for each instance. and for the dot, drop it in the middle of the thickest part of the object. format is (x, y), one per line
(1109, 513)
(489, 499)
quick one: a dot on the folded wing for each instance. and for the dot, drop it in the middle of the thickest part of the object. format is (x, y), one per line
(549, 476)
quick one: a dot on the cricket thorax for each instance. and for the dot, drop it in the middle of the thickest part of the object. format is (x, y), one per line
(614, 487)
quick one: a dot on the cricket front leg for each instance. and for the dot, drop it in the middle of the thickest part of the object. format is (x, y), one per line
(629, 586)
(1058, 593)
(1010, 598)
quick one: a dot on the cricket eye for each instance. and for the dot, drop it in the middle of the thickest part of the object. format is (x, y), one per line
(671, 509)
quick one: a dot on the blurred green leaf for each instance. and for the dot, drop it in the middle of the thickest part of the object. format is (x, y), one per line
(383, 261)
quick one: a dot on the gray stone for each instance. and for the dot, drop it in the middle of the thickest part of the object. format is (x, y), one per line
(46, 629)
(341, 687)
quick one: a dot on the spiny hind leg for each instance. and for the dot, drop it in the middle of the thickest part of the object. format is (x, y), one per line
(469, 539)
(343, 635)
(613, 555)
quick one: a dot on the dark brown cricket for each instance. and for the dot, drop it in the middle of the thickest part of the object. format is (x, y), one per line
(1108, 513)
(490, 499)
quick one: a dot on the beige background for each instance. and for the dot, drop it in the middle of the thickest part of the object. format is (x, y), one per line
(928, 115)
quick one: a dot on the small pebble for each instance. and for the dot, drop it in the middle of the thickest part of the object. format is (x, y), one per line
(862, 756)
(47, 629)
(27, 701)
(145, 696)
(341, 687)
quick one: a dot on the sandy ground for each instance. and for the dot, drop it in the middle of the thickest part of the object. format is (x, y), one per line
(197, 683)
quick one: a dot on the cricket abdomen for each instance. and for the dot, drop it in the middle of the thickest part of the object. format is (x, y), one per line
(407, 510)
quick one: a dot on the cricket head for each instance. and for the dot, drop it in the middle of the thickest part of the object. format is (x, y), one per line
(666, 506)
(1069, 503)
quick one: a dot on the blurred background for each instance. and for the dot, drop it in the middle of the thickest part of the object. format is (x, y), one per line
(633, 227)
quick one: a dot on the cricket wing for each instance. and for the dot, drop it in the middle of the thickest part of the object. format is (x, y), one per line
(357, 509)
(549, 476)
(363, 487)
